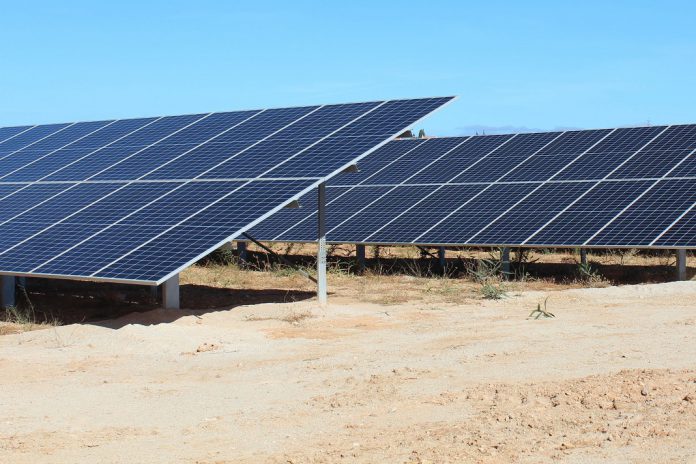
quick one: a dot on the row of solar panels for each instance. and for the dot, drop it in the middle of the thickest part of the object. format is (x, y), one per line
(627, 187)
(138, 200)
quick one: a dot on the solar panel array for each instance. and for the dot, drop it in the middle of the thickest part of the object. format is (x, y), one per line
(137, 200)
(625, 187)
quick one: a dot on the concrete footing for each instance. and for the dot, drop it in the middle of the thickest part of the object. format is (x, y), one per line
(170, 293)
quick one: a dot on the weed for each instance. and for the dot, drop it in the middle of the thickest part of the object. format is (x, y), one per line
(540, 312)
(492, 291)
(588, 275)
(488, 273)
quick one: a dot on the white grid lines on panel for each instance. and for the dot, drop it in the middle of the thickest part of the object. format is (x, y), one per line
(75, 184)
(35, 141)
(665, 176)
(679, 218)
(486, 188)
(594, 186)
(457, 174)
(470, 239)
(17, 134)
(57, 149)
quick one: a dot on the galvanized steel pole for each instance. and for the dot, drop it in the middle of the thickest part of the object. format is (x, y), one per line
(321, 252)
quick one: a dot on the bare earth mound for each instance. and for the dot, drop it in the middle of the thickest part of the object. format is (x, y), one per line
(611, 379)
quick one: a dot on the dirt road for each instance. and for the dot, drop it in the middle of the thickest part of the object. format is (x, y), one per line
(612, 378)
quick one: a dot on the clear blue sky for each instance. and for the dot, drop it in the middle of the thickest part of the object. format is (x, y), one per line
(542, 64)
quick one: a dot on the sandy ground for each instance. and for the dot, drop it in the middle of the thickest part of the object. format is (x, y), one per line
(612, 378)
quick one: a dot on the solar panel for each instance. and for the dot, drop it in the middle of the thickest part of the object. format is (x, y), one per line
(624, 187)
(137, 200)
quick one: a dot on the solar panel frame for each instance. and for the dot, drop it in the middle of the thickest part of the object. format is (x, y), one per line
(307, 184)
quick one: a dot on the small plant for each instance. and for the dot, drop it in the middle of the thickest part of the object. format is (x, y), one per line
(540, 312)
(587, 274)
(492, 291)
(488, 274)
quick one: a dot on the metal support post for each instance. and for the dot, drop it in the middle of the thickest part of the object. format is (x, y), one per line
(321, 252)
(360, 257)
(505, 262)
(170, 293)
(154, 292)
(681, 264)
(441, 258)
(583, 256)
(7, 291)
(242, 252)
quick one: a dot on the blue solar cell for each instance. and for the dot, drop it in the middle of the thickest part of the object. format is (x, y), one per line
(650, 215)
(210, 127)
(385, 208)
(659, 157)
(118, 163)
(680, 137)
(24, 166)
(25, 197)
(7, 133)
(475, 213)
(24, 257)
(265, 124)
(7, 189)
(502, 159)
(327, 155)
(181, 203)
(68, 200)
(122, 202)
(616, 149)
(682, 233)
(100, 250)
(465, 155)
(59, 139)
(158, 130)
(588, 214)
(412, 164)
(26, 139)
(387, 120)
(299, 223)
(531, 213)
(647, 164)
(422, 215)
(563, 151)
(686, 169)
(325, 121)
(186, 242)
(250, 162)
(382, 158)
